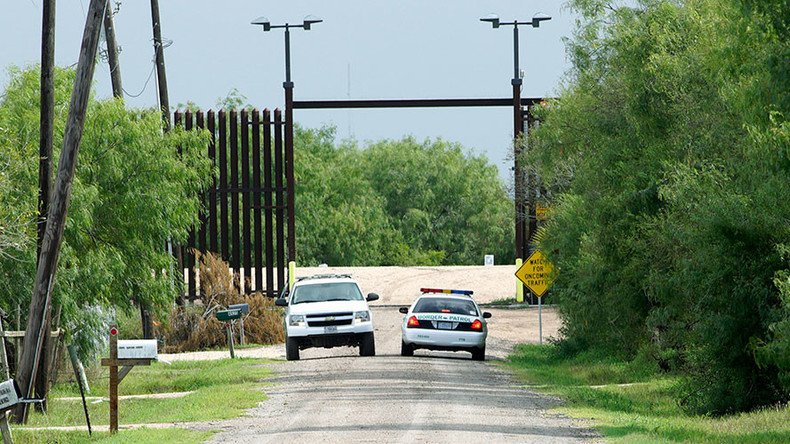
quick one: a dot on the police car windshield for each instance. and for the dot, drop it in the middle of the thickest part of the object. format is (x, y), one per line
(445, 305)
(335, 291)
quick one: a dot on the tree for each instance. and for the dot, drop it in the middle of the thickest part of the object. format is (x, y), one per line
(131, 193)
(667, 153)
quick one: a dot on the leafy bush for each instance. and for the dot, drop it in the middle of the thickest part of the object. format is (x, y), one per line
(668, 157)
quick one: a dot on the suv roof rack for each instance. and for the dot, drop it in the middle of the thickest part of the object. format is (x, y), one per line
(324, 276)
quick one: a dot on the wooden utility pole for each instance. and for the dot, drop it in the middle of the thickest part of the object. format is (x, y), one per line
(41, 300)
(164, 106)
(161, 77)
(112, 53)
(46, 134)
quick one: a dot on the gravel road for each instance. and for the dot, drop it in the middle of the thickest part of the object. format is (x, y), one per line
(336, 396)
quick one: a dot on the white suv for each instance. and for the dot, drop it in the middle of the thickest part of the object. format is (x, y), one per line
(327, 311)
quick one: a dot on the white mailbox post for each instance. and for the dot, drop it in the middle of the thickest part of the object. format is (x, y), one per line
(137, 349)
(125, 354)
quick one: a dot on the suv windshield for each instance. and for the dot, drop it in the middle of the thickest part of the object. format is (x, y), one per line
(445, 305)
(339, 291)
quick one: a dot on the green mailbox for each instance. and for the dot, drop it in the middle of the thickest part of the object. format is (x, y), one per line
(245, 308)
(228, 315)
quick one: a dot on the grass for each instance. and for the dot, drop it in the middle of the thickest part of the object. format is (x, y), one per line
(223, 389)
(152, 436)
(630, 402)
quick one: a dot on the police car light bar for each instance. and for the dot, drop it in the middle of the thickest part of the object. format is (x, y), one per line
(440, 290)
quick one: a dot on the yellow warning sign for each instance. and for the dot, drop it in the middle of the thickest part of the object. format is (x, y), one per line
(535, 273)
(541, 212)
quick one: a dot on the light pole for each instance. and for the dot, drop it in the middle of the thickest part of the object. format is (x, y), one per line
(288, 85)
(518, 128)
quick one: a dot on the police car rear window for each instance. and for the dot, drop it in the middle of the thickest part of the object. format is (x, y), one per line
(445, 305)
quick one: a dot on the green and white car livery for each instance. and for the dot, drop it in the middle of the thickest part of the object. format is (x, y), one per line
(448, 320)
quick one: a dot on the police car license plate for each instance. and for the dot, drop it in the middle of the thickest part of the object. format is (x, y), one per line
(330, 329)
(445, 326)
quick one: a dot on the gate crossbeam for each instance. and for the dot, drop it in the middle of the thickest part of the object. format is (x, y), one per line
(410, 103)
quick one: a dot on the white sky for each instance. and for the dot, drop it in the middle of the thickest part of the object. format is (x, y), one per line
(393, 49)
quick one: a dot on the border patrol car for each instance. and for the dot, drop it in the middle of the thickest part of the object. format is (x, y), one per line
(444, 320)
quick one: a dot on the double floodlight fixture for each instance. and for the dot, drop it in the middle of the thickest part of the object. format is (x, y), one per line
(535, 22)
(306, 23)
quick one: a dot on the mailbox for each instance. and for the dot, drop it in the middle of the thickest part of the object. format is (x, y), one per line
(245, 308)
(137, 349)
(229, 314)
(9, 395)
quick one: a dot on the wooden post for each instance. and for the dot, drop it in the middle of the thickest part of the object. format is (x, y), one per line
(40, 302)
(229, 332)
(161, 77)
(114, 380)
(112, 53)
(5, 431)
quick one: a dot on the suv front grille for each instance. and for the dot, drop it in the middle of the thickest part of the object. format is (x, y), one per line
(327, 319)
(328, 323)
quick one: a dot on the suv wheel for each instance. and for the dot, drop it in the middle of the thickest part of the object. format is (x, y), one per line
(367, 345)
(406, 349)
(291, 349)
(479, 354)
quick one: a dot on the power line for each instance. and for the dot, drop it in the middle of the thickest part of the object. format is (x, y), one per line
(145, 86)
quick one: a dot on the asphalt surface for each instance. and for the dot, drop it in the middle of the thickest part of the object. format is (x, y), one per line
(333, 395)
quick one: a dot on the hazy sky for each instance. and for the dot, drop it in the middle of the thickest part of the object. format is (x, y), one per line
(365, 49)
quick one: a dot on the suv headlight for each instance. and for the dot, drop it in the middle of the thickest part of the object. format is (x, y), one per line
(296, 320)
(362, 316)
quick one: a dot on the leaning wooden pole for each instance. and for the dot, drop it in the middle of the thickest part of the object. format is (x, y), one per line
(112, 54)
(50, 247)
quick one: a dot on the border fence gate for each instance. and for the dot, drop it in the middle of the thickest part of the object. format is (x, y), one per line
(244, 212)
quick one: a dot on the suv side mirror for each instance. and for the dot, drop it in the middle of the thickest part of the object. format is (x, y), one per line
(372, 297)
(404, 310)
(486, 314)
(281, 302)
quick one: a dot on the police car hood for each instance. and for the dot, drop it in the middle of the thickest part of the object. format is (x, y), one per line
(327, 307)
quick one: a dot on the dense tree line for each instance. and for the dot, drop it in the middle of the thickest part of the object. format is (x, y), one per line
(667, 155)
(398, 202)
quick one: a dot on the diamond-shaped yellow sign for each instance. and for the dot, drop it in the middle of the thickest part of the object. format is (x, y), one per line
(535, 273)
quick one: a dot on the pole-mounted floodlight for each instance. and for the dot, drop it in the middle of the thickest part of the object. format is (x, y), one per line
(263, 21)
(310, 20)
(306, 25)
(496, 23)
(539, 17)
(491, 18)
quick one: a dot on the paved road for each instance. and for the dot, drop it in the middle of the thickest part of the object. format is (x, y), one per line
(336, 396)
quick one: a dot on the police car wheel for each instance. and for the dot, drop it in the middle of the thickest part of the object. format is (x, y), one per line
(479, 354)
(406, 349)
(291, 349)
(367, 345)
